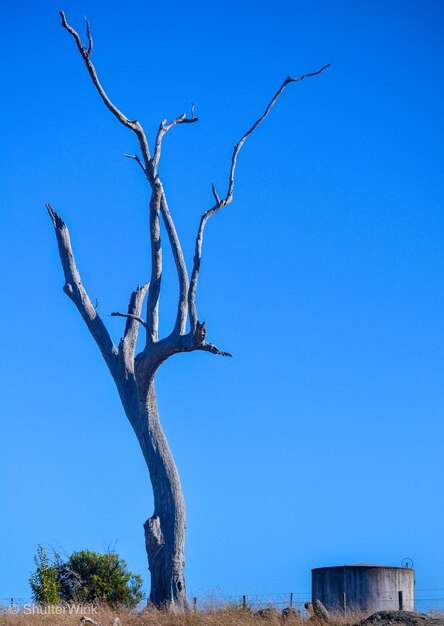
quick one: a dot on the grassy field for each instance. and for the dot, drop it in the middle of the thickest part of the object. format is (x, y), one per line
(230, 616)
(220, 616)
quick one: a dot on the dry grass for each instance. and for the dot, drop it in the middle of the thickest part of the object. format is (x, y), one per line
(227, 616)
(150, 617)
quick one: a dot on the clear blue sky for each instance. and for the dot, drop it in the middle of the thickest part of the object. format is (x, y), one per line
(321, 442)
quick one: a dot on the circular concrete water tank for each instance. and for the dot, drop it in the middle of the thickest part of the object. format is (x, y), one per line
(365, 588)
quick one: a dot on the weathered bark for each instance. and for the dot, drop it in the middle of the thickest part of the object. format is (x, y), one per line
(165, 529)
(134, 375)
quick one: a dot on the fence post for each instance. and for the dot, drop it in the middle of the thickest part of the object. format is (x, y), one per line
(291, 600)
(195, 604)
(244, 602)
(344, 602)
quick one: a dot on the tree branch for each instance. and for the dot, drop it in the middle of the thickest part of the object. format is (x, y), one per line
(146, 165)
(215, 194)
(75, 290)
(179, 261)
(90, 40)
(220, 203)
(210, 347)
(163, 129)
(176, 248)
(194, 342)
(127, 345)
(138, 161)
(152, 315)
(241, 142)
(134, 125)
(130, 316)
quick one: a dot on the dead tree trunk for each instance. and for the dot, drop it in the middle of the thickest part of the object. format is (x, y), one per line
(165, 529)
(134, 374)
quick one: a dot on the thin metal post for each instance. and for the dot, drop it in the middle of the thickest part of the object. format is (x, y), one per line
(344, 602)
(195, 604)
(400, 601)
(291, 600)
(244, 602)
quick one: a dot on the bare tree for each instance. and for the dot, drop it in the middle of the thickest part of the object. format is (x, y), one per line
(134, 373)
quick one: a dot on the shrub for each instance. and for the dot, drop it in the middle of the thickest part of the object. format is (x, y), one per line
(45, 583)
(86, 577)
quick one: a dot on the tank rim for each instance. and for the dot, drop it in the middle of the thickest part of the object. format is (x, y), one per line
(358, 565)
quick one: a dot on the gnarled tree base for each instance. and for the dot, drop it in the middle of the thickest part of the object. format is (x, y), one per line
(167, 569)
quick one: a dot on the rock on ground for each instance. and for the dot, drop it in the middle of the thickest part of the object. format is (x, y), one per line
(404, 618)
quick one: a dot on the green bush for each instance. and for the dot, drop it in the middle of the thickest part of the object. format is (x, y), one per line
(86, 577)
(45, 583)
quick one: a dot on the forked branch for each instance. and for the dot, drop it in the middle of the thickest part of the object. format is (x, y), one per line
(86, 54)
(146, 165)
(158, 204)
(163, 129)
(127, 345)
(220, 203)
(176, 248)
(90, 40)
